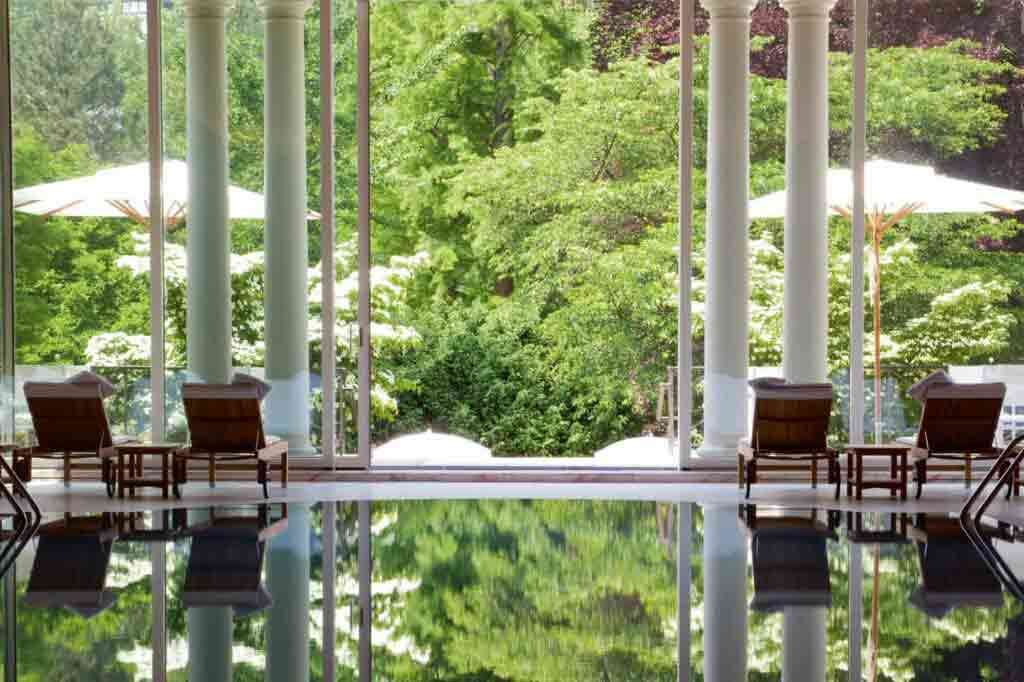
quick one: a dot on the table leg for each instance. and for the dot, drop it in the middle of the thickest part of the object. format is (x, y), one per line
(849, 474)
(892, 473)
(859, 483)
(163, 473)
(120, 475)
(903, 475)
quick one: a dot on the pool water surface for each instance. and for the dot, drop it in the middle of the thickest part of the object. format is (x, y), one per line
(511, 590)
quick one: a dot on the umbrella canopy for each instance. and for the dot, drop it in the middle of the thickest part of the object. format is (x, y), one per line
(428, 446)
(890, 186)
(124, 192)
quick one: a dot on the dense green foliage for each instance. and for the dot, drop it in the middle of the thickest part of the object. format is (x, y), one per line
(524, 208)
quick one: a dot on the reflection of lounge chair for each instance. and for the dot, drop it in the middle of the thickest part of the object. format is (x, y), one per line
(789, 554)
(225, 424)
(70, 567)
(790, 425)
(70, 423)
(958, 423)
(225, 564)
(953, 573)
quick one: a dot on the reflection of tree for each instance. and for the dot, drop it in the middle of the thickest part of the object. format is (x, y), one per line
(531, 591)
(55, 645)
(521, 590)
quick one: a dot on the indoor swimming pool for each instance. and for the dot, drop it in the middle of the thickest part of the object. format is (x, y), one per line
(523, 590)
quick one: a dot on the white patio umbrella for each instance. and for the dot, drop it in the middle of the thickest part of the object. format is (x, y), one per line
(429, 447)
(892, 192)
(124, 192)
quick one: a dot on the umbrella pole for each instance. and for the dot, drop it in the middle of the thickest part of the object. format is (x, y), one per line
(876, 304)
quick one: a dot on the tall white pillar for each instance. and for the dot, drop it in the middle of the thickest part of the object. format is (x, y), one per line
(803, 644)
(288, 584)
(726, 253)
(285, 285)
(208, 313)
(725, 596)
(805, 300)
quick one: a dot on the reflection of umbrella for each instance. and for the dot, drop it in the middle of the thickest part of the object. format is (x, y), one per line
(124, 192)
(893, 191)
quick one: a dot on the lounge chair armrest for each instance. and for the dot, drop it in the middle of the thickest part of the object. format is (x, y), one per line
(745, 449)
(274, 450)
(183, 451)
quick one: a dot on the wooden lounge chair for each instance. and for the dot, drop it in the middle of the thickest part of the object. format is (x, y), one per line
(71, 424)
(70, 566)
(225, 424)
(959, 423)
(789, 556)
(790, 425)
(953, 572)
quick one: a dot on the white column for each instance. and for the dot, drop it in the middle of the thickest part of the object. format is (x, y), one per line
(208, 236)
(805, 301)
(726, 268)
(288, 584)
(803, 644)
(725, 596)
(285, 241)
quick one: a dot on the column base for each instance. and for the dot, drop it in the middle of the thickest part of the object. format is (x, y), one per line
(713, 457)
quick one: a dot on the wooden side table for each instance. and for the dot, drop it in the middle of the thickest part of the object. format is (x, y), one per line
(897, 481)
(129, 467)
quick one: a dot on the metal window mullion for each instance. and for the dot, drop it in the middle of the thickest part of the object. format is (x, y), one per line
(855, 609)
(363, 188)
(857, 156)
(156, 218)
(7, 350)
(685, 219)
(684, 577)
(158, 559)
(10, 597)
(328, 380)
(365, 567)
(328, 570)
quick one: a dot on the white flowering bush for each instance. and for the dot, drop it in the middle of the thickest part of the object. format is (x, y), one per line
(388, 285)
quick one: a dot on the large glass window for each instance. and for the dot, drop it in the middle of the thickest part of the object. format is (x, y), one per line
(80, 119)
(944, 104)
(523, 189)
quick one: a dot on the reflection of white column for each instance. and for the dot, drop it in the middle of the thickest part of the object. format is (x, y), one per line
(288, 616)
(210, 630)
(285, 240)
(803, 644)
(725, 596)
(726, 269)
(805, 301)
(208, 315)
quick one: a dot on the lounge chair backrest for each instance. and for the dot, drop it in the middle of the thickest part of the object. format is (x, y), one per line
(791, 418)
(68, 417)
(223, 418)
(960, 418)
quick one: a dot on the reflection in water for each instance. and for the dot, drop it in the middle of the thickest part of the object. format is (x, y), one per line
(513, 590)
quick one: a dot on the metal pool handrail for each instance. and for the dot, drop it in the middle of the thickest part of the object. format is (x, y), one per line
(971, 514)
(25, 521)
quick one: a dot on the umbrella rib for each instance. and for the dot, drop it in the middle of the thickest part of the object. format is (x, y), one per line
(65, 207)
